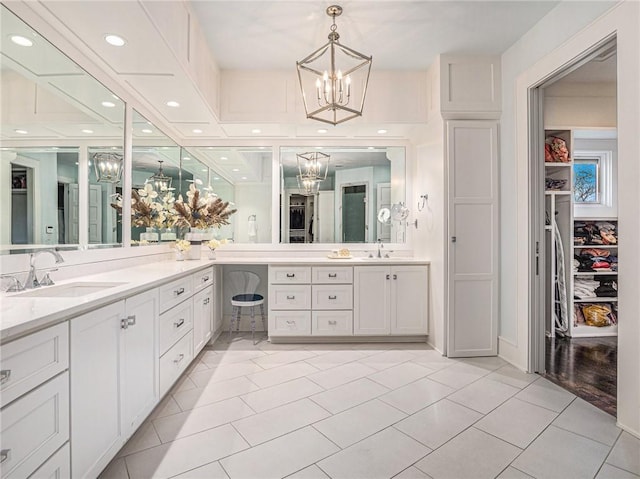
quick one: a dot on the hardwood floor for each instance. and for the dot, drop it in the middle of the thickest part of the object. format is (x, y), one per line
(585, 366)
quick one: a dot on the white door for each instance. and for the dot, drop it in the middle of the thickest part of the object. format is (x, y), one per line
(472, 160)
(95, 214)
(139, 372)
(409, 296)
(371, 309)
(383, 200)
(95, 389)
(73, 213)
(202, 318)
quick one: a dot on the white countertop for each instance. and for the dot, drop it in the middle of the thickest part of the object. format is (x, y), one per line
(24, 315)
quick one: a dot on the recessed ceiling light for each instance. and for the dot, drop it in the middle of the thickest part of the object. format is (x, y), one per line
(243, 178)
(115, 40)
(197, 130)
(216, 178)
(173, 104)
(255, 131)
(204, 169)
(322, 130)
(164, 148)
(318, 148)
(186, 158)
(261, 147)
(54, 148)
(114, 148)
(371, 148)
(87, 131)
(108, 104)
(77, 163)
(224, 158)
(147, 130)
(22, 132)
(209, 147)
(22, 41)
(382, 132)
(235, 169)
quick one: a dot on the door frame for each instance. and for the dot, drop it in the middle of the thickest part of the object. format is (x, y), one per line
(537, 271)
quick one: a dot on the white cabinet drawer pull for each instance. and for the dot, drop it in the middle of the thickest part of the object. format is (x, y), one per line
(179, 358)
(333, 297)
(5, 455)
(333, 275)
(387, 276)
(291, 323)
(178, 292)
(206, 301)
(5, 374)
(205, 279)
(333, 323)
(179, 323)
(395, 276)
(291, 275)
(291, 297)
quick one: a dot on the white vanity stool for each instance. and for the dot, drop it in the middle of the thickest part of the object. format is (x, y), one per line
(245, 284)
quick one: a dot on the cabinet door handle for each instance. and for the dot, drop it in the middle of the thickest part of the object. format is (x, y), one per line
(131, 320)
(332, 297)
(291, 275)
(178, 292)
(333, 275)
(333, 323)
(206, 301)
(388, 277)
(179, 358)
(179, 323)
(395, 276)
(291, 297)
(454, 239)
(5, 374)
(124, 324)
(5, 454)
(291, 323)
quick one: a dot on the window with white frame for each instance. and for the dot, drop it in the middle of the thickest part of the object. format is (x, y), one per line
(586, 180)
(594, 183)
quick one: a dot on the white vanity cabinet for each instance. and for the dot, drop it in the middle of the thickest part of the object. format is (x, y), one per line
(202, 318)
(289, 301)
(390, 300)
(34, 419)
(114, 378)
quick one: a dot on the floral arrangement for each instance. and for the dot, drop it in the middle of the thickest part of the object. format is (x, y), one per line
(145, 210)
(214, 243)
(183, 245)
(201, 211)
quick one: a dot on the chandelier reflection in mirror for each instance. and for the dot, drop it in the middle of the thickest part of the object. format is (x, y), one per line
(312, 170)
(159, 181)
(108, 167)
(333, 79)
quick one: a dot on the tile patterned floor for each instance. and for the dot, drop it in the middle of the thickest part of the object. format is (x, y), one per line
(369, 411)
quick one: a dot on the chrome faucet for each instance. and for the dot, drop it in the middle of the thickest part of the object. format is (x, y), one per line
(380, 246)
(32, 279)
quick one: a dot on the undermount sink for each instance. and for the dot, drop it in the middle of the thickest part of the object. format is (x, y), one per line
(70, 290)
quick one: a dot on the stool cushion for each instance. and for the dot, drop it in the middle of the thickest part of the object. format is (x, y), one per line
(247, 297)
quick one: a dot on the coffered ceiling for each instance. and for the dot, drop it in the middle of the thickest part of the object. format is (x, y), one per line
(154, 65)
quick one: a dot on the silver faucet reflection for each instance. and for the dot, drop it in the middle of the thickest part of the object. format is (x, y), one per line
(32, 279)
(380, 246)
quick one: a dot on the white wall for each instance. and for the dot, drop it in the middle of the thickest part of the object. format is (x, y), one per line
(252, 199)
(585, 105)
(621, 21)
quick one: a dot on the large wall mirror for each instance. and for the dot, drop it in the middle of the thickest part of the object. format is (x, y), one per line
(54, 119)
(342, 195)
(155, 174)
(242, 176)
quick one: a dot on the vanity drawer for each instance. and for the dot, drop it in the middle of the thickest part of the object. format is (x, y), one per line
(202, 279)
(34, 427)
(288, 296)
(174, 324)
(332, 323)
(329, 274)
(289, 274)
(175, 361)
(57, 466)
(289, 323)
(332, 296)
(174, 292)
(30, 361)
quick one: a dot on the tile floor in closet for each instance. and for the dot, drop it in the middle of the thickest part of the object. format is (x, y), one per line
(370, 411)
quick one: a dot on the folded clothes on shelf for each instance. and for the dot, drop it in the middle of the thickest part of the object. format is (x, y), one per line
(552, 184)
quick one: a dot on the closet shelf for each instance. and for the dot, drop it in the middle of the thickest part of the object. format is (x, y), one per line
(557, 192)
(601, 246)
(594, 273)
(584, 331)
(596, 299)
(558, 164)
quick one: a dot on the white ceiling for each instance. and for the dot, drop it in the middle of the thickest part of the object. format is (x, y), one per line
(400, 34)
